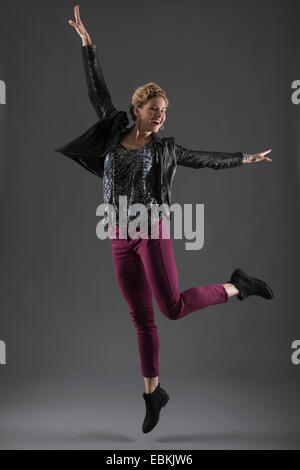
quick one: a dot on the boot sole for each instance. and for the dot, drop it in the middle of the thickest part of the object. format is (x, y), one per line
(239, 271)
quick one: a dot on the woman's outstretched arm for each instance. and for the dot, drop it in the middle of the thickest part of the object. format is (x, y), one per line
(97, 90)
(215, 160)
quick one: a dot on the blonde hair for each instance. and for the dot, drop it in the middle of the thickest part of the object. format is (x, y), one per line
(144, 93)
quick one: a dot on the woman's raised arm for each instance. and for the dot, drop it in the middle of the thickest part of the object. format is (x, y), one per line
(98, 92)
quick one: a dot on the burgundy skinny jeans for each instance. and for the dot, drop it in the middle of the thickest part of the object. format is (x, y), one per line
(147, 266)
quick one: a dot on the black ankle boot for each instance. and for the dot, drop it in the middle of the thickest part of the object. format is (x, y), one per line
(248, 285)
(154, 401)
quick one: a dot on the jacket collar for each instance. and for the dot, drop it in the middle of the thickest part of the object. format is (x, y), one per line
(155, 137)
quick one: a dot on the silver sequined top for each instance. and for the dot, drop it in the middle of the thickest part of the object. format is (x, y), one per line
(133, 173)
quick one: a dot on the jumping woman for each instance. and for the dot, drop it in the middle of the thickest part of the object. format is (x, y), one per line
(136, 163)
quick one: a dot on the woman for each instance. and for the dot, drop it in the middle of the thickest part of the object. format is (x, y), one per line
(136, 163)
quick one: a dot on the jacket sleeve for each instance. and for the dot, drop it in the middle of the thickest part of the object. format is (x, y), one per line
(97, 90)
(207, 159)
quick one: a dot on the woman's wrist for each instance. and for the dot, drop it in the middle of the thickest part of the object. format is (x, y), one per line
(86, 41)
(247, 157)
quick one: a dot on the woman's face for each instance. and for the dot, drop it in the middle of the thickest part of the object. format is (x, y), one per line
(153, 110)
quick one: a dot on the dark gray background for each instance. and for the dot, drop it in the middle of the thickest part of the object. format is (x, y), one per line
(72, 378)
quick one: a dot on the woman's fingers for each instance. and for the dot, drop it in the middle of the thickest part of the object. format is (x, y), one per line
(79, 26)
(76, 26)
(76, 13)
(266, 151)
(261, 156)
(257, 157)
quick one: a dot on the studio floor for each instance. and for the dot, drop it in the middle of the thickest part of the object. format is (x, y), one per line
(69, 414)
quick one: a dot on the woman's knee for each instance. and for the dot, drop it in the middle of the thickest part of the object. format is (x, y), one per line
(171, 311)
(143, 322)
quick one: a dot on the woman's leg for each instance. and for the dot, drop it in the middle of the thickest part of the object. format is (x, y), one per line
(159, 263)
(150, 384)
(135, 288)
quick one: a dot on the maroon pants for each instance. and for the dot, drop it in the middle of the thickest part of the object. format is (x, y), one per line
(147, 266)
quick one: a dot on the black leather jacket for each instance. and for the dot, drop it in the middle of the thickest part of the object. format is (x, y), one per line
(90, 148)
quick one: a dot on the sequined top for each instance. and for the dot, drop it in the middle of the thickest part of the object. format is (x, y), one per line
(133, 173)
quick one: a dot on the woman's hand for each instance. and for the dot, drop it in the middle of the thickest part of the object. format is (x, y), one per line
(86, 40)
(257, 157)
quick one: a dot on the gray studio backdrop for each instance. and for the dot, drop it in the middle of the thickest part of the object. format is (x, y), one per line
(72, 375)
